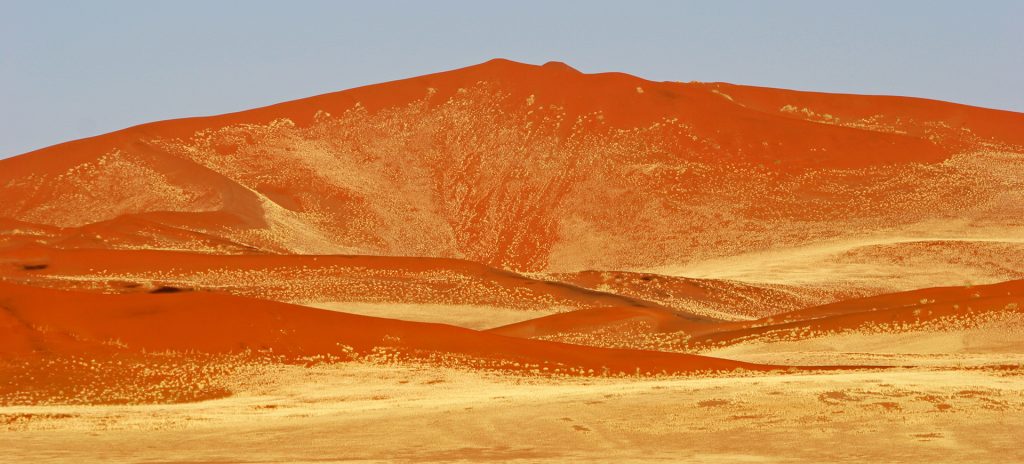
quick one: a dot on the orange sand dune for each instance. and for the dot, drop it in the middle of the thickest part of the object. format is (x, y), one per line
(958, 295)
(158, 230)
(549, 242)
(868, 112)
(619, 102)
(531, 168)
(715, 298)
(43, 322)
(939, 309)
(291, 278)
(946, 308)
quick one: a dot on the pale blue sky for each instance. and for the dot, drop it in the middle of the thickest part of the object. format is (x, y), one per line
(74, 69)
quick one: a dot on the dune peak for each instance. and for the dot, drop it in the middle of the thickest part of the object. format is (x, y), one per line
(561, 66)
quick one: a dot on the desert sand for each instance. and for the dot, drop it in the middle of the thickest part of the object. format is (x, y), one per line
(513, 262)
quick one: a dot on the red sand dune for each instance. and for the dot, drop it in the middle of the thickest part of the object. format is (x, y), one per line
(439, 188)
(952, 307)
(958, 295)
(522, 167)
(297, 277)
(43, 322)
(713, 298)
(908, 311)
(592, 319)
(903, 112)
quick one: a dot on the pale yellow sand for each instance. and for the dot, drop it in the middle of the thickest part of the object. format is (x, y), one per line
(477, 317)
(883, 263)
(374, 413)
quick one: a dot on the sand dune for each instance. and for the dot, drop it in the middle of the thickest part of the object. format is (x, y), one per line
(528, 168)
(55, 326)
(945, 311)
(448, 286)
(715, 298)
(939, 309)
(624, 269)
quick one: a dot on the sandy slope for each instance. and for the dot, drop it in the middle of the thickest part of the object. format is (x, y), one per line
(447, 291)
(715, 298)
(547, 266)
(942, 314)
(533, 168)
(50, 333)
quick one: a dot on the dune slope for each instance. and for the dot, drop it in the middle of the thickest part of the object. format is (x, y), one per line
(536, 168)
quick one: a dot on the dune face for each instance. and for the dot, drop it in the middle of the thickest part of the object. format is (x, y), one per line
(539, 168)
(627, 268)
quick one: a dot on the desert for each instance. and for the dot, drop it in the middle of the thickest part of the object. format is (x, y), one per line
(525, 263)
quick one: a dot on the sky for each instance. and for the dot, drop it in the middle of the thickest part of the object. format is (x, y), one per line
(75, 69)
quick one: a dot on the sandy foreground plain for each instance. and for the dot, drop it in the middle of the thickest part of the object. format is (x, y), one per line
(373, 412)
